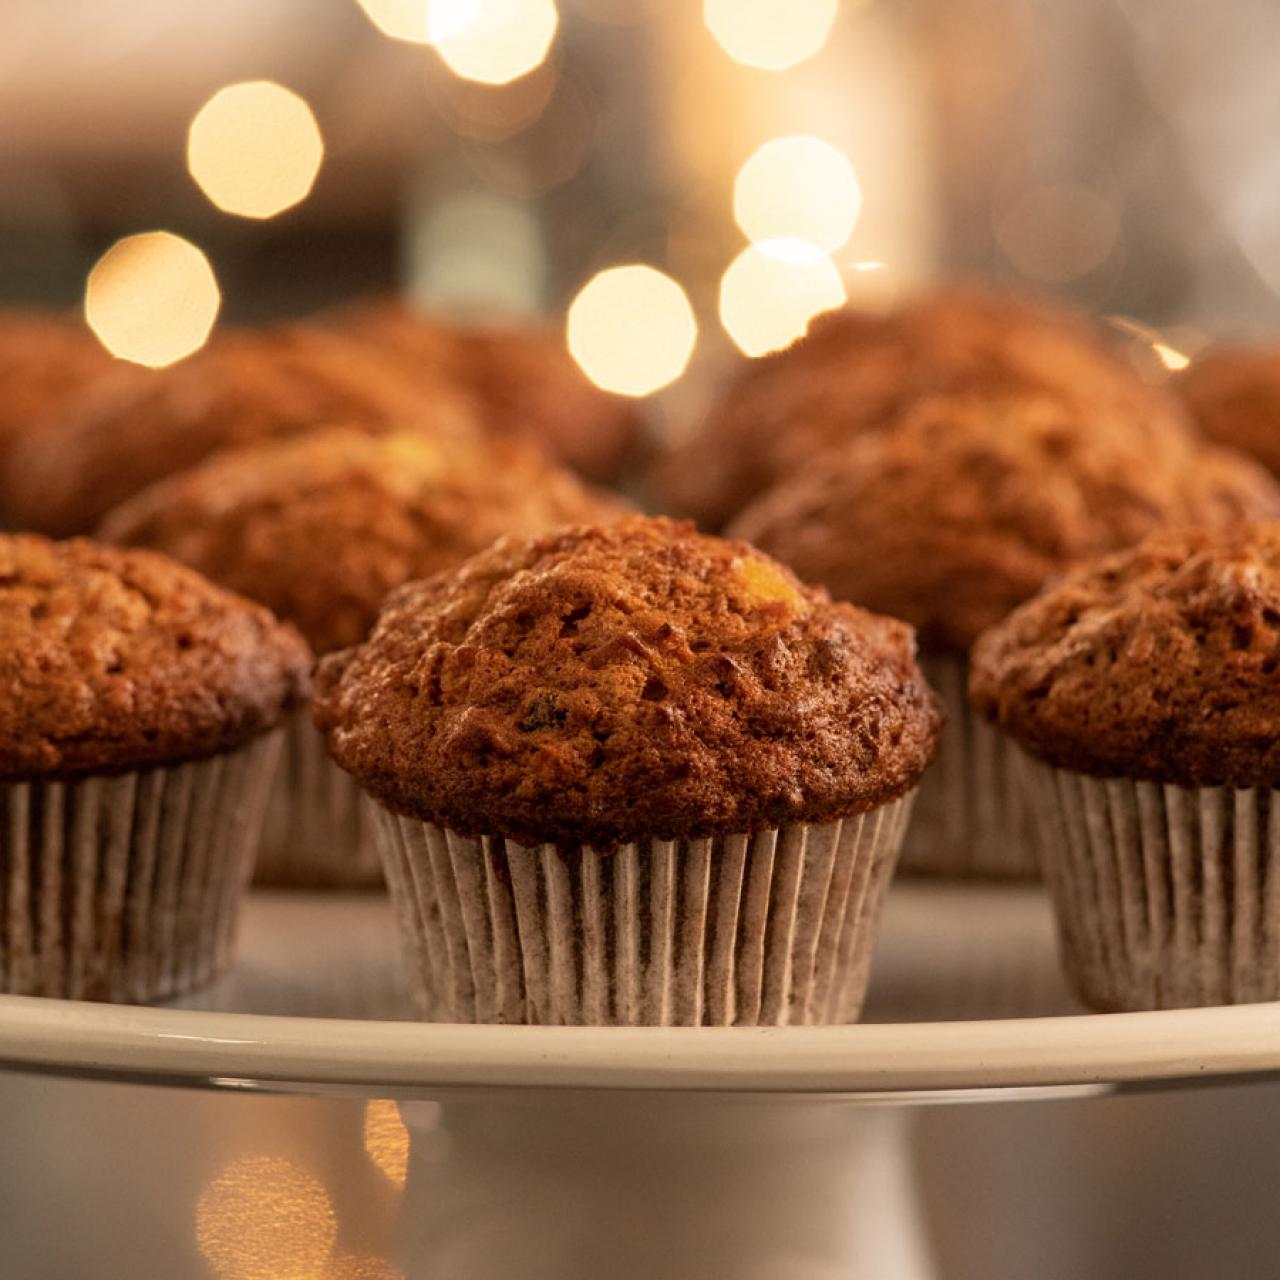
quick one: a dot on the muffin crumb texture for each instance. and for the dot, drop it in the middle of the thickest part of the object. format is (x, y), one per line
(639, 680)
(1160, 663)
(118, 660)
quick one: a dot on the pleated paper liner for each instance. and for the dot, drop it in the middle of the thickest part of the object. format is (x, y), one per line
(770, 929)
(971, 815)
(1166, 897)
(128, 888)
(318, 832)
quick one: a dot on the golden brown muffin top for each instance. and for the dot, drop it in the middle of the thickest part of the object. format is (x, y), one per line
(321, 526)
(1156, 663)
(46, 357)
(117, 660)
(1234, 397)
(593, 686)
(244, 386)
(520, 377)
(963, 508)
(854, 372)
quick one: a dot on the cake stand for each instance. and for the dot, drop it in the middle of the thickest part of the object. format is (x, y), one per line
(554, 1153)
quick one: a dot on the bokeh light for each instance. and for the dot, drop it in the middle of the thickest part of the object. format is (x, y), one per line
(152, 299)
(632, 330)
(498, 40)
(772, 290)
(386, 1140)
(770, 34)
(798, 188)
(399, 19)
(264, 1218)
(1058, 232)
(255, 149)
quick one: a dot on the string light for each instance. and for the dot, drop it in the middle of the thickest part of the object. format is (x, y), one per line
(1058, 232)
(255, 149)
(770, 34)
(152, 299)
(399, 19)
(798, 188)
(632, 330)
(493, 41)
(772, 290)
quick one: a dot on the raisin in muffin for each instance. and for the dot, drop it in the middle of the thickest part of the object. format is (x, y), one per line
(661, 735)
(320, 527)
(135, 755)
(854, 372)
(953, 516)
(244, 386)
(1142, 689)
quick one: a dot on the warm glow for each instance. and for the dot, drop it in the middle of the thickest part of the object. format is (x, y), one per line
(264, 1218)
(772, 291)
(386, 1139)
(1058, 233)
(494, 41)
(1172, 359)
(798, 188)
(632, 330)
(771, 34)
(399, 19)
(152, 299)
(255, 149)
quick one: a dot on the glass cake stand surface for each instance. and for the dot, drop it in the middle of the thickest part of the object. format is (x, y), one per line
(559, 1152)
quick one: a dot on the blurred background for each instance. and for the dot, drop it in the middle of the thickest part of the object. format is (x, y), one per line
(680, 181)
(768, 159)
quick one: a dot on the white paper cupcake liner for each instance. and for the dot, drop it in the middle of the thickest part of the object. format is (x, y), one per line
(971, 816)
(1166, 897)
(127, 888)
(771, 929)
(318, 832)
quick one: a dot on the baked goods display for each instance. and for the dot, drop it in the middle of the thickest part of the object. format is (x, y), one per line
(646, 728)
(137, 704)
(319, 527)
(954, 513)
(615, 770)
(1142, 688)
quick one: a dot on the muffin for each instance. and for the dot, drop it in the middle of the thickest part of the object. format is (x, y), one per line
(319, 527)
(957, 513)
(136, 708)
(1142, 689)
(1233, 394)
(46, 359)
(631, 774)
(520, 377)
(855, 372)
(133, 430)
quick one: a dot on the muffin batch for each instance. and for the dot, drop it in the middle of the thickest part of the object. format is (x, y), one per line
(614, 770)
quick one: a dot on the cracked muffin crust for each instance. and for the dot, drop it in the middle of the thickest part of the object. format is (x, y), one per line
(321, 526)
(1159, 663)
(144, 425)
(962, 508)
(116, 660)
(638, 680)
